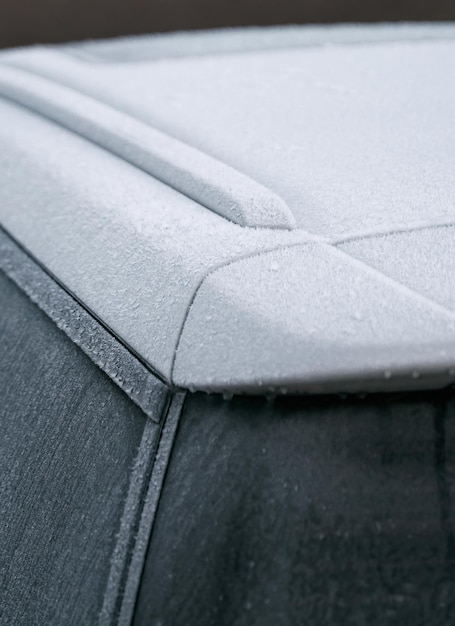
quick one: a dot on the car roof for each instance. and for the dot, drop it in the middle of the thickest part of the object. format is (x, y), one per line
(257, 210)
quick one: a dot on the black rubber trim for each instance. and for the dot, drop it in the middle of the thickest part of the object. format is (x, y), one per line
(138, 518)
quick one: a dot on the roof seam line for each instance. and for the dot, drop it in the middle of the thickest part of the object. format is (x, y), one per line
(387, 233)
(441, 309)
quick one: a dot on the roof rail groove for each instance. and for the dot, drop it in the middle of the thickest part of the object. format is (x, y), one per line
(213, 184)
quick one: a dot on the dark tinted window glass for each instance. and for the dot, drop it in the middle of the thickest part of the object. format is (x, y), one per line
(306, 512)
(68, 441)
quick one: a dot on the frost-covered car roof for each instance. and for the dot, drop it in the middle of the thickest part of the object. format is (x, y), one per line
(250, 211)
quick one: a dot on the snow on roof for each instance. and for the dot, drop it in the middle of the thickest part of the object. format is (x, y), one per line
(121, 190)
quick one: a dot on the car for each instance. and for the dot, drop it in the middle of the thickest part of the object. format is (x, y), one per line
(228, 328)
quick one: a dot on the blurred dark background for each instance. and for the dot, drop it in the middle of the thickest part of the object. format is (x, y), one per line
(25, 22)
